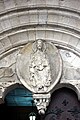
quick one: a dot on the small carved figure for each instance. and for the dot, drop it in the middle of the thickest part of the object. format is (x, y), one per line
(39, 68)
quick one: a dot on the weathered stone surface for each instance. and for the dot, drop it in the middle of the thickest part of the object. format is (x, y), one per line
(42, 66)
(55, 21)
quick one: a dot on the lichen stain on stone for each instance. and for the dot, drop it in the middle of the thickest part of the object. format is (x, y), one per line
(27, 49)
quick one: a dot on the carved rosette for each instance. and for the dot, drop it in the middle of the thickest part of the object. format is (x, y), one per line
(39, 68)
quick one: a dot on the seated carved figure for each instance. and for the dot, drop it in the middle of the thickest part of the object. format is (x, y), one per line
(40, 73)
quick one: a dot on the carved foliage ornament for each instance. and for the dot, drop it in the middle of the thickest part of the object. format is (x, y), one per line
(39, 66)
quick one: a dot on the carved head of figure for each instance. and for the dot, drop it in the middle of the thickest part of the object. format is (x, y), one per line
(39, 44)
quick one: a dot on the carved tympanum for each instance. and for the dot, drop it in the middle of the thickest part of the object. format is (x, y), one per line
(39, 66)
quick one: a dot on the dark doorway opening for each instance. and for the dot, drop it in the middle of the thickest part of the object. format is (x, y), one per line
(18, 105)
(16, 112)
(64, 105)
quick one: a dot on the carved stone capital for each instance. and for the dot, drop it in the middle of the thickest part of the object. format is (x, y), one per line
(42, 101)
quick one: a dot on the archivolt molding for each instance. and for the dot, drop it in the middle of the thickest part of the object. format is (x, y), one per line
(24, 16)
(21, 37)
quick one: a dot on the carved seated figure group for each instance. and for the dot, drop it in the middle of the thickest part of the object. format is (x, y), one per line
(40, 74)
(40, 71)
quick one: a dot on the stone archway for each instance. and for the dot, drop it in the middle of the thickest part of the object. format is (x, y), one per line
(55, 21)
(18, 104)
(64, 105)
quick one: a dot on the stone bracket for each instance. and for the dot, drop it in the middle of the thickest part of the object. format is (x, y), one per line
(42, 101)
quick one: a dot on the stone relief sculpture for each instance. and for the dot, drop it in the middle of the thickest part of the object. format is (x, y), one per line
(40, 73)
(71, 66)
(39, 68)
(7, 70)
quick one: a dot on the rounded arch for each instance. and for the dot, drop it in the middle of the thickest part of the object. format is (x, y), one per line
(67, 86)
(10, 88)
(19, 96)
(63, 105)
(66, 89)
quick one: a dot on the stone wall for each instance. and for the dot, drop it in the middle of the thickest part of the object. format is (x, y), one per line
(57, 21)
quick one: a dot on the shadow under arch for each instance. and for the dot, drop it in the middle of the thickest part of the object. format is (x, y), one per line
(10, 88)
(70, 86)
(17, 95)
(64, 105)
(18, 103)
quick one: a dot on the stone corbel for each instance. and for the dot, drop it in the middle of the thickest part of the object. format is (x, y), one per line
(42, 101)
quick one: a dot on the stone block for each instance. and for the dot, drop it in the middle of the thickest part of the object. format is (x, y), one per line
(2, 49)
(72, 22)
(2, 7)
(14, 39)
(73, 41)
(9, 4)
(1, 28)
(31, 2)
(78, 46)
(78, 24)
(43, 16)
(72, 4)
(65, 38)
(21, 2)
(32, 35)
(58, 36)
(24, 18)
(40, 34)
(6, 43)
(41, 2)
(49, 35)
(23, 37)
(63, 19)
(5, 24)
(52, 2)
(14, 21)
(53, 18)
(19, 38)
(33, 16)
